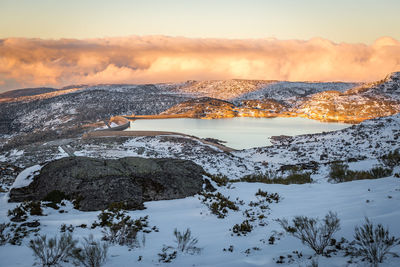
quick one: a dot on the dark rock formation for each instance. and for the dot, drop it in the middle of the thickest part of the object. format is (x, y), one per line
(94, 184)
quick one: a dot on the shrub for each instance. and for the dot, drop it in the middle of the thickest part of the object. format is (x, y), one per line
(379, 172)
(64, 228)
(15, 233)
(311, 232)
(122, 233)
(299, 178)
(120, 229)
(35, 208)
(51, 251)
(107, 217)
(392, 159)
(92, 254)
(373, 242)
(4, 233)
(242, 229)
(218, 204)
(20, 212)
(220, 180)
(166, 256)
(269, 197)
(270, 177)
(340, 173)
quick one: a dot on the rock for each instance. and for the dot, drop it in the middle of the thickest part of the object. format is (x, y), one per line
(281, 139)
(94, 184)
(311, 165)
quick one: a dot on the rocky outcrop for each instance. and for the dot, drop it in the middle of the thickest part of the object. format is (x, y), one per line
(211, 108)
(94, 184)
(332, 106)
(368, 101)
(205, 108)
(364, 102)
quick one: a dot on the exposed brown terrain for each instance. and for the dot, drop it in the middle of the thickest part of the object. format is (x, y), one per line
(326, 107)
(210, 108)
(355, 105)
(348, 108)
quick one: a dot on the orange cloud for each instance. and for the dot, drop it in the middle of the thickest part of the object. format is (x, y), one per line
(149, 59)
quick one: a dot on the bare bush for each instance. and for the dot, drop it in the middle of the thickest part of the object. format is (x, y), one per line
(50, 252)
(120, 229)
(186, 242)
(121, 234)
(311, 231)
(313, 263)
(373, 243)
(92, 254)
(124, 234)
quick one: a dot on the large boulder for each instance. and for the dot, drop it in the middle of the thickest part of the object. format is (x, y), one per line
(96, 183)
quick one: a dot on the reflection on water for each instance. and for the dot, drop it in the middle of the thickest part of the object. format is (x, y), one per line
(239, 133)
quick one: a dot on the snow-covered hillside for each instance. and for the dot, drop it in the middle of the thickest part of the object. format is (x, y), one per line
(368, 140)
(286, 91)
(388, 87)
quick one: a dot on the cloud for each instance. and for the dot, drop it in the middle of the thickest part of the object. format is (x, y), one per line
(149, 59)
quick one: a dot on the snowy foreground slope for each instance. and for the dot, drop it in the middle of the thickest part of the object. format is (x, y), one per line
(349, 200)
(360, 146)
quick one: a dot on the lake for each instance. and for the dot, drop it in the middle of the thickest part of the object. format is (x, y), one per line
(238, 133)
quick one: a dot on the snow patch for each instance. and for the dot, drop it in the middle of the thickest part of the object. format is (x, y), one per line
(26, 176)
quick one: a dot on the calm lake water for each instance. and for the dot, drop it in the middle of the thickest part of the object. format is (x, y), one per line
(239, 133)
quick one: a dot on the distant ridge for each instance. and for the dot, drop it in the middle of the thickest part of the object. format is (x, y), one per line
(27, 92)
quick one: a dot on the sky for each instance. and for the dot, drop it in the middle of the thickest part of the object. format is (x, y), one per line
(56, 43)
(339, 21)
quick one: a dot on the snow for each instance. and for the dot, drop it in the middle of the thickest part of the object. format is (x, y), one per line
(347, 199)
(363, 165)
(26, 176)
(62, 153)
